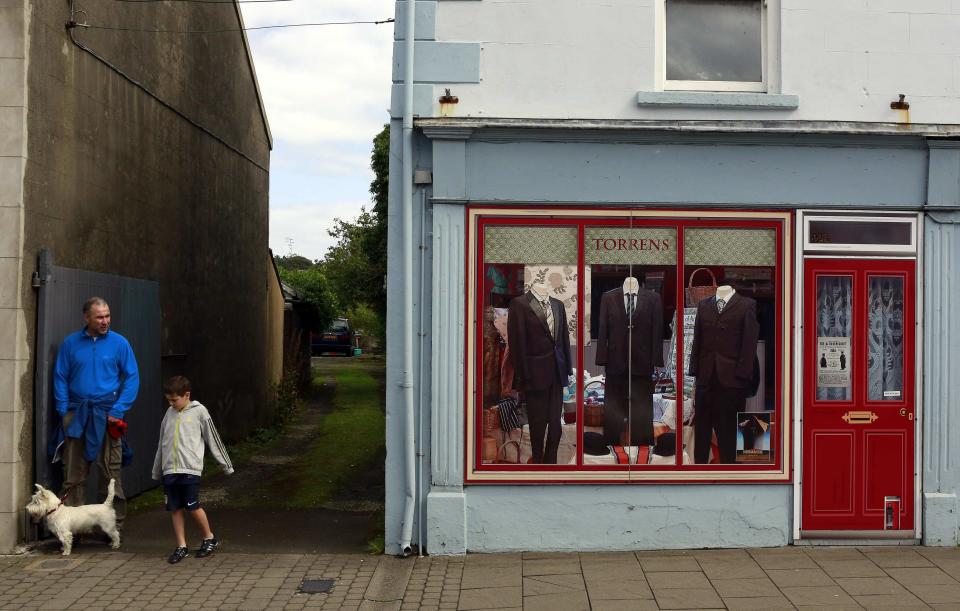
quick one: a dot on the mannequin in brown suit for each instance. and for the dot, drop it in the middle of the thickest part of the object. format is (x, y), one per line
(724, 348)
(541, 360)
(629, 347)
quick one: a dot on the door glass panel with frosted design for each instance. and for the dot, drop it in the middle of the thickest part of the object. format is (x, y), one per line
(885, 338)
(834, 337)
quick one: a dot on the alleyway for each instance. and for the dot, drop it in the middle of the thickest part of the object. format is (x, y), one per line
(283, 499)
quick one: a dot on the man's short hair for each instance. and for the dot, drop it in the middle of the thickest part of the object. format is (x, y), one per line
(177, 385)
(98, 301)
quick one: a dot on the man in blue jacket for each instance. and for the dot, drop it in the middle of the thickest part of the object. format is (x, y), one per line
(95, 382)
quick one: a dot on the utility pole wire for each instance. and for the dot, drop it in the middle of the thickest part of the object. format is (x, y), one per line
(262, 27)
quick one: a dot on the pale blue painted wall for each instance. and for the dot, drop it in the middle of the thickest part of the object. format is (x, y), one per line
(609, 168)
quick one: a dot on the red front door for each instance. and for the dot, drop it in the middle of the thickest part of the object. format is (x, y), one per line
(858, 397)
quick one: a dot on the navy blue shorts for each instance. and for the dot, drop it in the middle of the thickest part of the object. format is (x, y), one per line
(181, 491)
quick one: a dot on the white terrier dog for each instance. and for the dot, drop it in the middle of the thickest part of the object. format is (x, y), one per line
(65, 521)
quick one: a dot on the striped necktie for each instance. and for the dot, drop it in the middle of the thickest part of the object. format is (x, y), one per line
(631, 304)
(548, 312)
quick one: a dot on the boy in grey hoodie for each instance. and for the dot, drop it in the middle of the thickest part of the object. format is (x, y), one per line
(186, 429)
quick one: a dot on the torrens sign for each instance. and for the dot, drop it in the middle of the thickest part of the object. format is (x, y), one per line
(630, 245)
(640, 244)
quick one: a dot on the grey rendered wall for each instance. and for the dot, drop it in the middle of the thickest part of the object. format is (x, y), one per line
(116, 182)
(941, 335)
(423, 256)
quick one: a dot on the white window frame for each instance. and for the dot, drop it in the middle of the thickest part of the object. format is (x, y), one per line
(875, 248)
(769, 55)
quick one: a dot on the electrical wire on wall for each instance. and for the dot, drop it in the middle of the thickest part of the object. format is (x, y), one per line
(73, 23)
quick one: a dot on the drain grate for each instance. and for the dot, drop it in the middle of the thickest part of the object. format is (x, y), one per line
(316, 586)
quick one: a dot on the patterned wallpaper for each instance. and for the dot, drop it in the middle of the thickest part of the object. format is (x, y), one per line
(533, 245)
(752, 247)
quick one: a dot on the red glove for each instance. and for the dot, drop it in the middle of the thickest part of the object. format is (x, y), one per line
(117, 428)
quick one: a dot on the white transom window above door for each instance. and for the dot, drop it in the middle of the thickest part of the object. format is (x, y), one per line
(717, 45)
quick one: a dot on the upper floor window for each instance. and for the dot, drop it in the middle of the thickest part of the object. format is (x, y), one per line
(715, 45)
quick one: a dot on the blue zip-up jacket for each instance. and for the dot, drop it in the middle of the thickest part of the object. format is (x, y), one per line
(100, 370)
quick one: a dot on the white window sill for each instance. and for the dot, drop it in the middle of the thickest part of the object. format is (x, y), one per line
(717, 99)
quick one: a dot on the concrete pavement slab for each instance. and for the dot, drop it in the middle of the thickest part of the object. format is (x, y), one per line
(551, 566)
(689, 598)
(890, 601)
(671, 564)
(491, 598)
(851, 568)
(760, 603)
(619, 590)
(862, 586)
(685, 579)
(832, 596)
(745, 588)
(539, 585)
(799, 577)
(735, 568)
(565, 601)
(922, 576)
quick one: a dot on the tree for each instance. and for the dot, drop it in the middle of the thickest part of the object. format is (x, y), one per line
(293, 262)
(356, 265)
(318, 294)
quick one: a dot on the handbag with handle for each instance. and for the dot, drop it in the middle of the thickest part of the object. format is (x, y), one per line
(696, 294)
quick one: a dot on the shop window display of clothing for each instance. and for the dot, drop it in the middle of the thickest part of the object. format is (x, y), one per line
(629, 347)
(725, 339)
(538, 344)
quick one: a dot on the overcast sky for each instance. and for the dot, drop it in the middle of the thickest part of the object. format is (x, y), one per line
(326, 90)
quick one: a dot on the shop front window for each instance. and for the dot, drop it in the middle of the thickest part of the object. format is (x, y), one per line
(627, 346)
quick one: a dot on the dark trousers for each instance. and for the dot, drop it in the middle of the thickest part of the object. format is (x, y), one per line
(544, 411)
(639, 389)
(717, 408)
(76, 468)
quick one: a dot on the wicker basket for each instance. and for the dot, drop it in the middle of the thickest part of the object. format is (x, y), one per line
(502, 456)
(491, 421)
(696, 294)
(593, 414)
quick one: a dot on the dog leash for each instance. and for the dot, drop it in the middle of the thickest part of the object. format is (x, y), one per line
(62, 499)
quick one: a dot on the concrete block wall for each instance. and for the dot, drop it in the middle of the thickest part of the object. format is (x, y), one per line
(13, 349)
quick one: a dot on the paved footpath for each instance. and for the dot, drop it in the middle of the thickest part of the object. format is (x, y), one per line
(784, 578)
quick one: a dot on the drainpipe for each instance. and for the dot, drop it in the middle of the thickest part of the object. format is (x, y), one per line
(409, 452)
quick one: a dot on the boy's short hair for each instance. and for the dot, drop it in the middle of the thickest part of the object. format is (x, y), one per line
(177, 385)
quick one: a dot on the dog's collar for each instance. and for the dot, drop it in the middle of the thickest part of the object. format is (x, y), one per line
(54, 509)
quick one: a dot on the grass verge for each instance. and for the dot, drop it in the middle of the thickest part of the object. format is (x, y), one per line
(348, 438)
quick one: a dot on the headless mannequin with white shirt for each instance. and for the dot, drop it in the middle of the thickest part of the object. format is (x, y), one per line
(539, 347)
(629, 347)
(724, 347)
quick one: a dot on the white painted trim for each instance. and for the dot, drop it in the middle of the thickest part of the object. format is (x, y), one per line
(802, 218)
(769, 55)
(798, 275)
(905, 249)
(918, 384)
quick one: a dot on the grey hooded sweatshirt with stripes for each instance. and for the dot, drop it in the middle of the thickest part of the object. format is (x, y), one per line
(183, 436)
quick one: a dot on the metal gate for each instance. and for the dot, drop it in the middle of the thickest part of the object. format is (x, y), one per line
(135, 310)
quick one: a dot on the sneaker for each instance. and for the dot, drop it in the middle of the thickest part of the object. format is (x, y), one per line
(178, 554)
(207, 546)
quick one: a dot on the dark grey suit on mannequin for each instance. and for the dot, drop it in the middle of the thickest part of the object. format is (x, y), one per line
(542, 363)
(629, 351)
(724, 348)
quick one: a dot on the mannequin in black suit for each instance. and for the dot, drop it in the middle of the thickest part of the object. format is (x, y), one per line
(724, 348)
(540, 352)
(629, 347)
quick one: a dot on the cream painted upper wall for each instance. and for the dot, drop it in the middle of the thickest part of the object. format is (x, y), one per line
(845, 59)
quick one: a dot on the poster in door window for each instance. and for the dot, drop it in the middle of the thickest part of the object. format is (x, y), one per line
(833, 362)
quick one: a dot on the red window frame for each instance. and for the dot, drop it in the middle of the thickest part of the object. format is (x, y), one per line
(479, 217)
